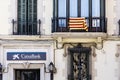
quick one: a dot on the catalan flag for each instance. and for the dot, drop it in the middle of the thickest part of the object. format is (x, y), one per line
(77, 24)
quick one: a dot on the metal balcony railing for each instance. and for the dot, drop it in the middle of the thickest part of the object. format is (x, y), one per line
(95, 24)
(26, 28)
(119, 25)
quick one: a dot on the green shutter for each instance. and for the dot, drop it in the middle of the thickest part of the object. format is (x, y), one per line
(27, 17)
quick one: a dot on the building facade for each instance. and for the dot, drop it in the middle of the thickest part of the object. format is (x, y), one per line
(59, 40)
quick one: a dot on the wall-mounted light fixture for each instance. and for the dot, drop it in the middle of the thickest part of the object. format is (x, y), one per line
(0, 68)
(52, 70)
(0, 71)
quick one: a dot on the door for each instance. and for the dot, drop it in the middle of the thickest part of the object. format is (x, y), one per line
(27, 74)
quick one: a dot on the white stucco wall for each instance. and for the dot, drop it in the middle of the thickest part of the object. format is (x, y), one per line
(107, 64)
(110, 14)
(5, 24)
(48, 16)
(60, 63)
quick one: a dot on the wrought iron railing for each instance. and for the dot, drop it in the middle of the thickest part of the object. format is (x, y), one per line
(95, 24)
(26, 28)
(119, 25)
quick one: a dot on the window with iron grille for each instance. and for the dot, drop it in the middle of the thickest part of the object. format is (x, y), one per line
(92, 10)
(27, 17)
(79, 63)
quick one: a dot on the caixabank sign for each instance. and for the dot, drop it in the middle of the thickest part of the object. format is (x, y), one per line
(26, 55)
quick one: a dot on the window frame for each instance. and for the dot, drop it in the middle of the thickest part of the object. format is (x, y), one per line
(27, 29)
(79, 49)
(14, 17)
(90, 18)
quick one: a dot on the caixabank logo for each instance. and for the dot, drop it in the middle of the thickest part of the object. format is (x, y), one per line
(16, 56)
(26, 55)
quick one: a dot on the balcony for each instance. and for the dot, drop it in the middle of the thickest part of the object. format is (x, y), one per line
(94, 24)
(26, 28)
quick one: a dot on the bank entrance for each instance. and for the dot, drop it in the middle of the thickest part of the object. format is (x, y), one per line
(27, 74)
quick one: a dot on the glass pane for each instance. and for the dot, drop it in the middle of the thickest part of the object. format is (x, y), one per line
(35, 11)
(27, 74)
(21, 10)
(96, 8)
(30, 11)
(62, 8)
(84, 8)
(62, 22)
(96, 23)
(73, 8)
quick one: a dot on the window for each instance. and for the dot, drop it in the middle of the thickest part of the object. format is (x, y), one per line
(27, 74)
(27, 17)
(92, 10)
(79, 63)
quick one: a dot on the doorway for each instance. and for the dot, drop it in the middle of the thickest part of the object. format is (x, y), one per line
(27, 74)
